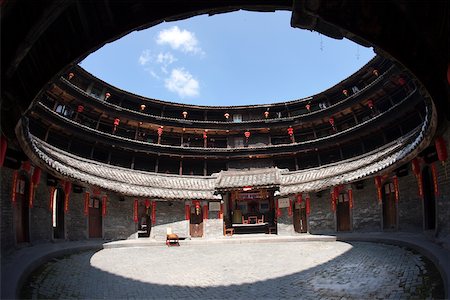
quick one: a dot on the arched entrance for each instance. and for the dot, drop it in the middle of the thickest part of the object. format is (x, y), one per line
(196, 221)
(95, 218)
(389, 207)
(58, 214)
(343, 213)
(429, 201)
(300, 220)
(21, 210)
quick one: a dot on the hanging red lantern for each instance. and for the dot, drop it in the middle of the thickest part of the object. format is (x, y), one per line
(308, 107)
(184, 113)
(147, 203)
(104, 202)
(3, 148)
(350, 197)
(197, 207)
(441, 149)
(50, 201)
(378, 185)
(187, 212)
(331, 121)
(247, 134)
(395, 181)
(435, 179)
(70, 76)
(86, 203)
(36, 178)
(205, 135)
(153, 212)
(266, 114)
(160, 131)
(299, 198)
(290, 131)
(67, 190)
(116, 122)
(401, 81)
(135, 211)
(205, 211)
(26, 166)
(308, 205)
(80, 108)
(14, 187)
(142, 107)
(375, 72)
(107, 95)
(345, 92)
(226, 115)
(370, 104)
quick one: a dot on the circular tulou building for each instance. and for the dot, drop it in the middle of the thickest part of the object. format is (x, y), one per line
(83, 159)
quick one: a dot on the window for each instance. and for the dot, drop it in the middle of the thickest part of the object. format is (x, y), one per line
(237, 118)
(238, 142)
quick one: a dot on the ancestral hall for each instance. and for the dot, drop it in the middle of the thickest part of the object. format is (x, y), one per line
(84, 159)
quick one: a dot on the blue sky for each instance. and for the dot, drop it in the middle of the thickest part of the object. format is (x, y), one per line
(227, 59)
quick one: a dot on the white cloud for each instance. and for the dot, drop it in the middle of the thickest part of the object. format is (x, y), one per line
(145, 57)
(165, 58)
(182, 83)
(179, 39)
(154, 75)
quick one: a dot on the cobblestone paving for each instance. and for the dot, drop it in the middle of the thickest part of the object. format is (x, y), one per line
(315, 270)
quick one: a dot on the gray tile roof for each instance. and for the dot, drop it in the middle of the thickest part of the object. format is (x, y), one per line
(264, 177)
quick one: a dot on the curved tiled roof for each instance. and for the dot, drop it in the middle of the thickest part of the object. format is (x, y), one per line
(164, 186)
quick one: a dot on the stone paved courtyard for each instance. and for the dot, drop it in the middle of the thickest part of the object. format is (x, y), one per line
(235, 271)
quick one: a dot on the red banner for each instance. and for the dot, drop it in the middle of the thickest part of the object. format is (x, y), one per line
(31, 194)
(397, 194)
(14, 187)
(308, 207)
(187, 212)
(67, 190)
(350, 198)
(379, 187)
(50, 201)
(135, 211)
(153, 212)
(333, 201)
(86, 203)
(278, 209)
(420, 185)
(205, 211)
(290, 208)
(104, 202)
(435, 179)
(220, 215)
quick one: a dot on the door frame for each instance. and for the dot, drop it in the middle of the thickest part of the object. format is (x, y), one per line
(344, 194)
(22, 175)
(92, 198)
(391, 187)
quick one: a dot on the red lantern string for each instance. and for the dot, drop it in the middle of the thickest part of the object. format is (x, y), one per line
(86, 203)
(350, 197)
(3, 148)
(154, 212)
(52, 195)
(378, 185)
(14, 187)
(397, 195)
(435, 179)
(67, 190)
(308, 205)
(187, 212)
(104, 202)
(135, 211)
(205, 211)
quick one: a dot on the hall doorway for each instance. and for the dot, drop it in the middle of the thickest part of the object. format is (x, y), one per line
(389, 207)
(21, 211)
(429, 200)
(343, 213)
(58, 214)
(196, 221)
(300, 220)
(95, 218)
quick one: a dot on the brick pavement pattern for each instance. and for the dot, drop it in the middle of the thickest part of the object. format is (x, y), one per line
(331, 270)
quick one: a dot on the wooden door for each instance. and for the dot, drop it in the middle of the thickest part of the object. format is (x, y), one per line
(196, 224)
(389, 207)
(300, 224)
(429, 200)
(95, 218)
(21, 212)
(343, 213)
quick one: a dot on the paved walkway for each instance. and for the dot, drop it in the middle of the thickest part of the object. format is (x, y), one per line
(234, 267)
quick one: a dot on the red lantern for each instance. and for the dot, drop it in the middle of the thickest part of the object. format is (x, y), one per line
(135, 211)
(290, 131)
(116, 122)
(26, 166)
(370, 104)
(104, 202)
(345, 92)
(80, 108)
(308, 205)
(308, 107)
(160, 131)
(331, 121)
(401, 81)
(205, 211)
(142, 107)
(185, 113)
(350, 198)
(3, 146)
(378, 185)
(67, 190)
(397, 195)
(435, 179)
(375, 72)
(14, 187)
(226, 115)
(107, 95)
(266, 114)
(153, 212)
(187, 212)
(71, 75)
(86, 203)
(247, 134)
(36, 178)
(205, 134)
(441, 149)
(147, 203)
(52, 195)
